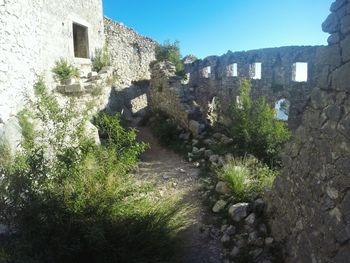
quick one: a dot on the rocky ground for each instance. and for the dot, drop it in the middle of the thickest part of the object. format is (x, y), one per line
(223, 230)
(172, 174)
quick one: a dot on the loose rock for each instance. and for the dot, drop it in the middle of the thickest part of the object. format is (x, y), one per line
(238, 211)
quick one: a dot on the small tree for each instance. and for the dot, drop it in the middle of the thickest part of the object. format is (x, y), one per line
(64, 71)
(101, 59)
(255, 127)
(171, 52)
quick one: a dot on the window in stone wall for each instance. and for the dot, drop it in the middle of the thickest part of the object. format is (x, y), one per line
(255, 70)
(282, 109)
(81, 41)
(232, 70)
(299, 73)
(207, 72)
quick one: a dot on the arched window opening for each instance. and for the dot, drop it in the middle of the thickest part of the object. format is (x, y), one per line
(282, 109)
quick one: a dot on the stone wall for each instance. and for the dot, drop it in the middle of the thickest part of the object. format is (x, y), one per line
(130, 52)
(131, 55)
(310, 201)
(276, 80)
(167, 94)
(33, 35)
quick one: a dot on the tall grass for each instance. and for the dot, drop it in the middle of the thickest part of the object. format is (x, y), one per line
(81, 204)
(247, 177)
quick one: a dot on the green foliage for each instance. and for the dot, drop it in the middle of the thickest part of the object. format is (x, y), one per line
(255, 127)
(247, 177)
(27, 128)
(122, 141)
(284, 106)
(171, 52)
(101, 59)
(167, 131)
(64, 71)
(66, 199)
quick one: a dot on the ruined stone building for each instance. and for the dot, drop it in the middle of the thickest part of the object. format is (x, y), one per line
(310, 202)
(34, 34)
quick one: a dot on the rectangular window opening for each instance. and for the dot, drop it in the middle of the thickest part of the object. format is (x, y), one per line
(255, 70)
(232, 70)
(81, 41)
(207, 72)
(300, 72)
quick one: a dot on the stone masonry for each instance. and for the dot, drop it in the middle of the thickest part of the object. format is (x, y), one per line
(310, 202)
(131, 55)
(275, 83)
(33, 35)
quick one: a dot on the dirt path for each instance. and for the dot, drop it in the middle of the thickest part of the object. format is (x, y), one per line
(172, 173)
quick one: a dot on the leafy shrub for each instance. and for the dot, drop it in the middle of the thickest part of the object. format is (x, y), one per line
(171, 52)
(66, 199)
(121, 140)
(64, 71)
(101, 59)
(167, 131)
(255, 128)
(247, 177)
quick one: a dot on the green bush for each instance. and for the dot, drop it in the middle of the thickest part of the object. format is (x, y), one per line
(64, 71)
(101, 59)
(246, 177)
(255, 128)
(171, 52)
(167, 131)
(66, 199)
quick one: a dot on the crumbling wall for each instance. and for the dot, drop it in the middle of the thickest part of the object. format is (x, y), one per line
(33, 35)
(310, 201)
(166, 93)
(131, 55)
(276, 80)
(130, 52)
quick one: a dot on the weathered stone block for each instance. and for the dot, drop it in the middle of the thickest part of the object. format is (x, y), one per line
(331, 25)
(238, 211)
(329, 56)
(333, 39)
(333, 112)
(92, 74)
(344, 126)
(341, 78)
(219, 206)
(345, 47)
(345, 25)
(74, 88)
(91, 132)
(319, 99)
(194, 127)
(337, 4)
(346, 207)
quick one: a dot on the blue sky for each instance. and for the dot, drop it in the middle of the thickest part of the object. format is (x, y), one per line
(212, 27)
